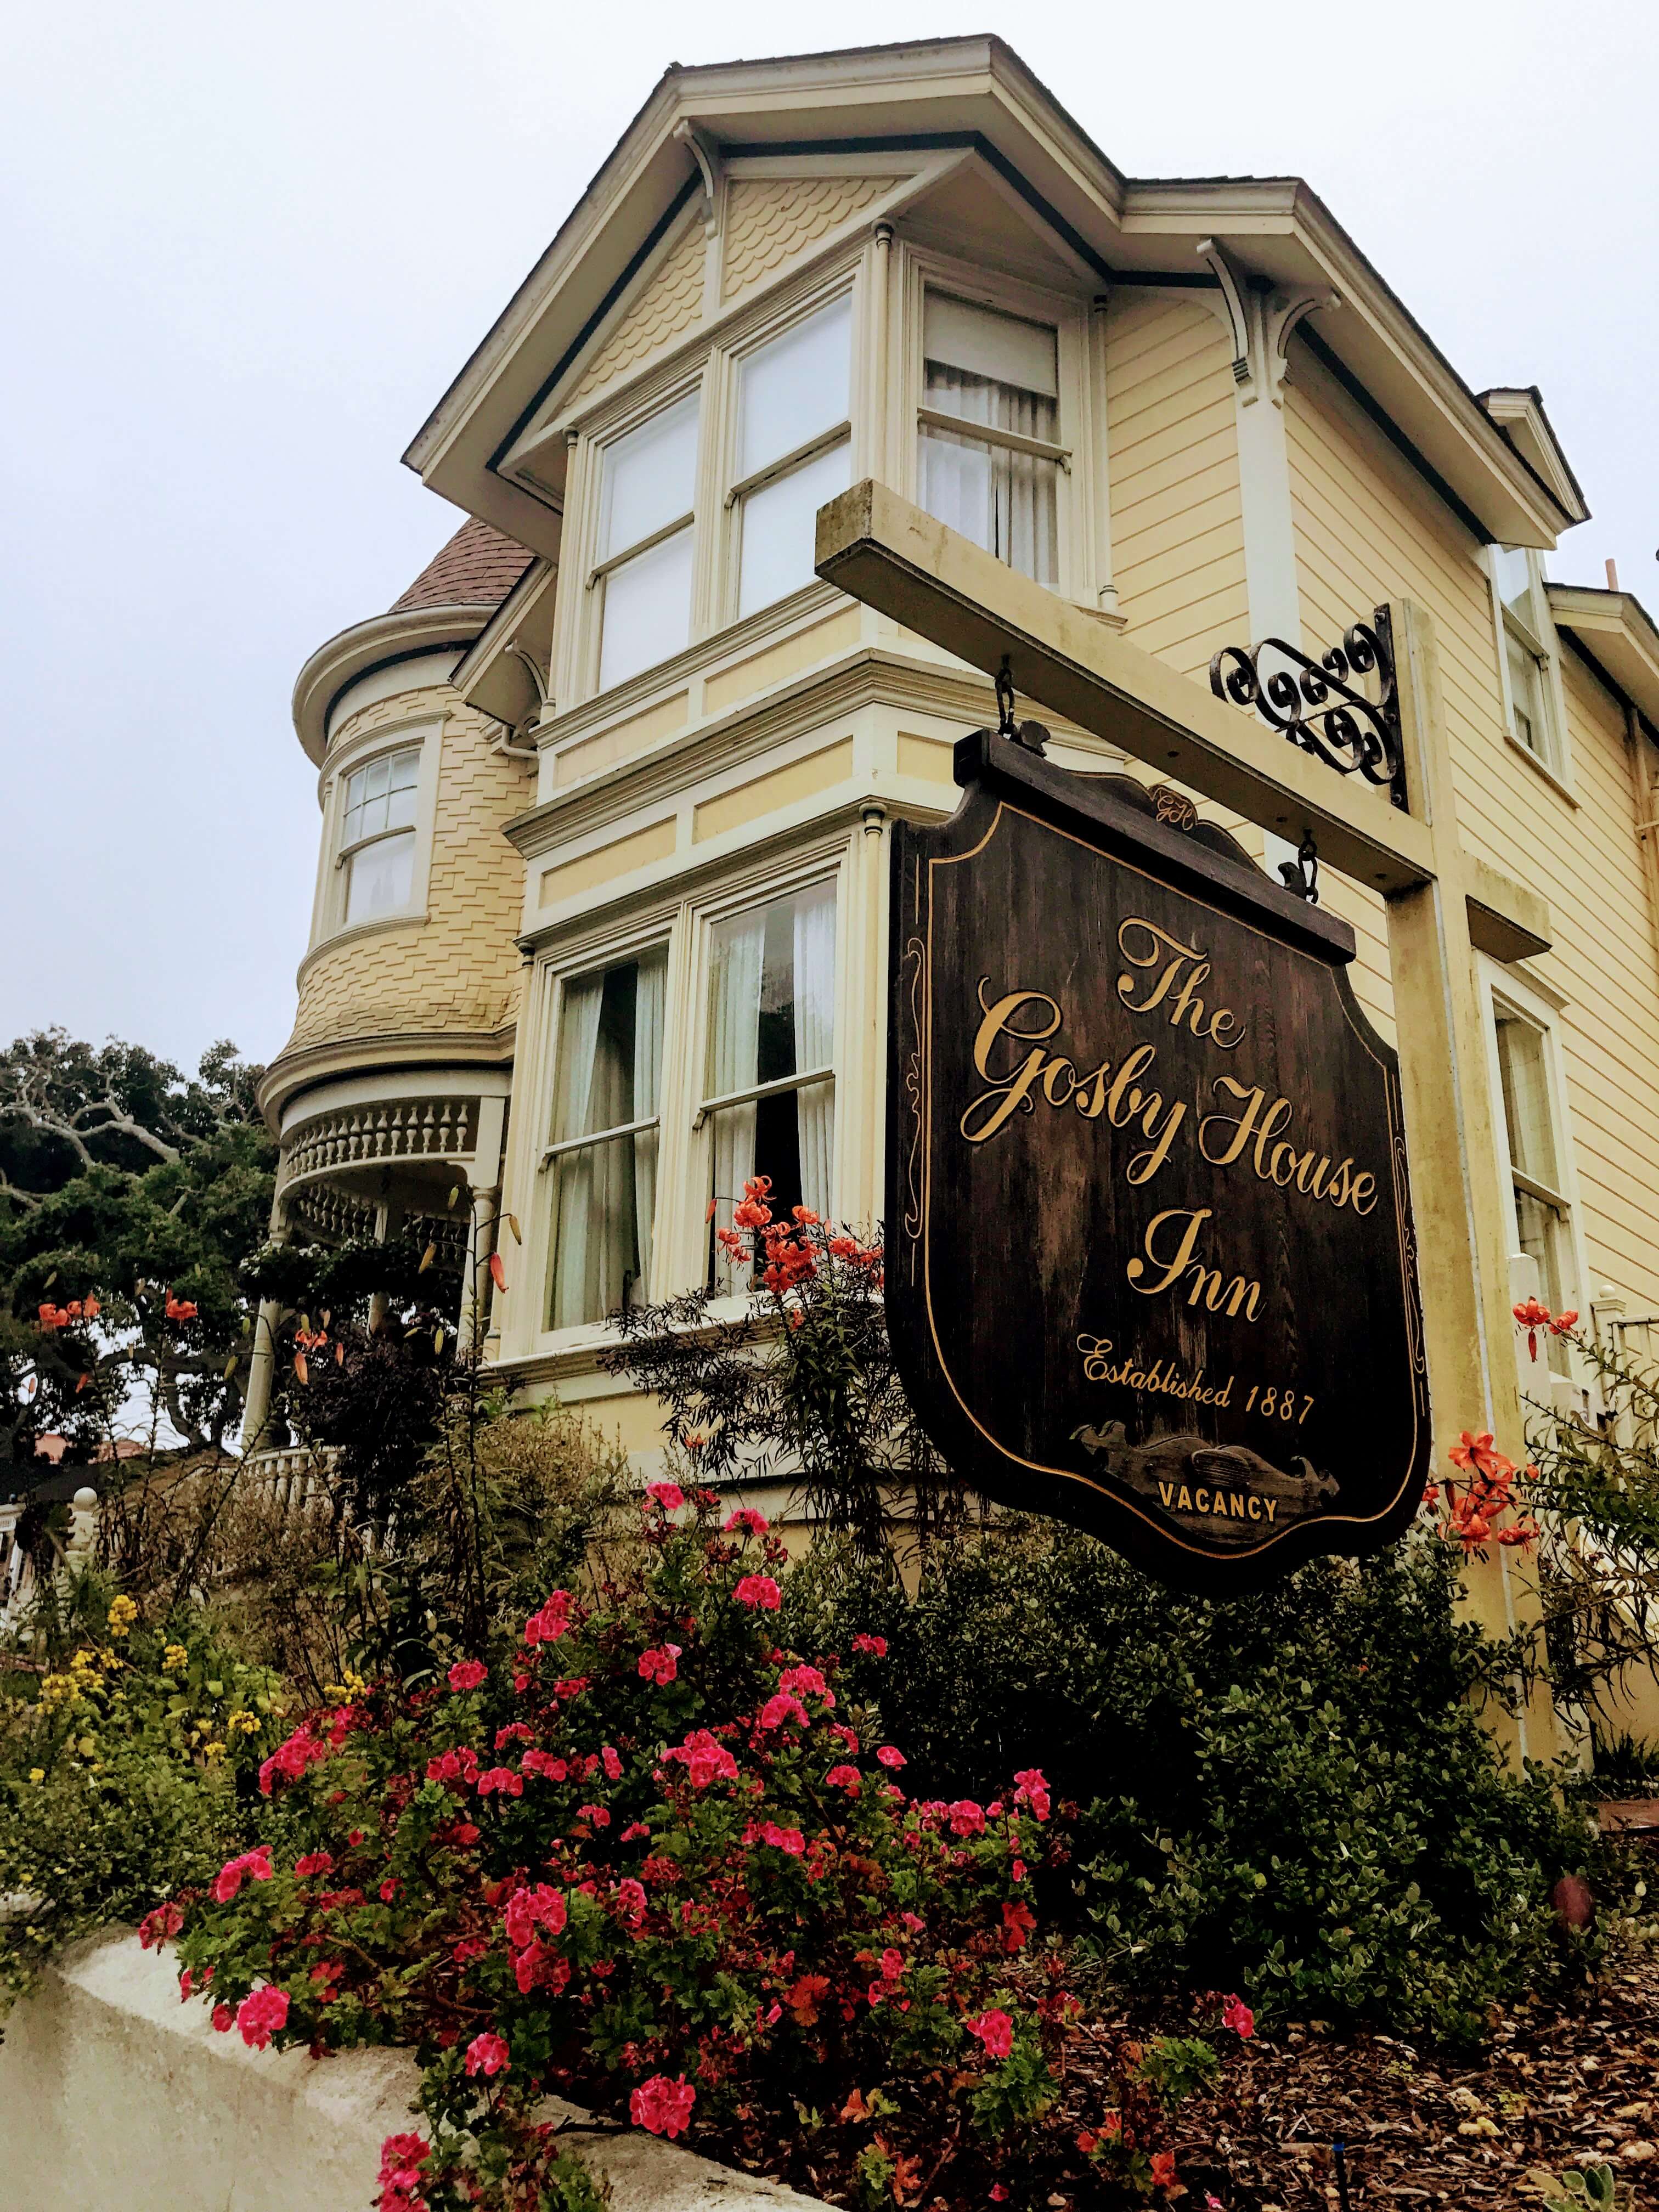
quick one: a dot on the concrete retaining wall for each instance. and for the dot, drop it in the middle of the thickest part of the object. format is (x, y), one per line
(113, 2093)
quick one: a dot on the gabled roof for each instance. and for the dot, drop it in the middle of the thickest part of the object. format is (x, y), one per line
(1616, 635)
(967, 99)
(1518, 411)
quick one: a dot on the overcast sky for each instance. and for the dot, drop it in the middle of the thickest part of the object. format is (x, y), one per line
(246, 246)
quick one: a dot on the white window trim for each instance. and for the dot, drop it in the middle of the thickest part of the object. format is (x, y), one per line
(713, 375)
(1539, 639)
(684, 1157)
(525, 1330)
(1520, 996)
(1080, 488)
(329, 925)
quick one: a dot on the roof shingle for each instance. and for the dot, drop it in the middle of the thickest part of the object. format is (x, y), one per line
(477, 568)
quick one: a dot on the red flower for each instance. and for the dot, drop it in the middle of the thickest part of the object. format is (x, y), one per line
(782, 1707)
(1237, 2016)
(844, 1777)
(229, 1879)
(223, 2019)
(502, 1778)
(551, 1621)
(660, 1666)
(314, 1862)
(966, 1818)
(662, 2106)
(401, 2159)
(995, 2031)
(1564, 1321)
(468, 1674)
(542, 1762)
(875, 1645)
(156, 1928)
(260, 2014)
(1163, 2168)
(668, 1495)
(704, 1760)
(178, 1308)
(746, 1518)
(759, 1590)
(890, 1755)
(1017, 1922)
(1033, 1790)
(530, 1909)
(497, 1271)
(487, 2054)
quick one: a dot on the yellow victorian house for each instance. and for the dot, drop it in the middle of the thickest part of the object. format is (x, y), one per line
(599, 926)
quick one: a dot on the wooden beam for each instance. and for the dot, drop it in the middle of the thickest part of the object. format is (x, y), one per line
(877, 547)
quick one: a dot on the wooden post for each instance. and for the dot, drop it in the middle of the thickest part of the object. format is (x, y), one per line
(1457, 1198)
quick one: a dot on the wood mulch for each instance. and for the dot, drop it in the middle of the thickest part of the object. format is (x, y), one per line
(1572, 2082)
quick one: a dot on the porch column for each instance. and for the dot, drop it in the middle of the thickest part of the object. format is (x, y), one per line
(486, 1211)
(262, 1363)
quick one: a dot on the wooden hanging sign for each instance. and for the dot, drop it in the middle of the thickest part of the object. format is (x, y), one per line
(1150, 1266)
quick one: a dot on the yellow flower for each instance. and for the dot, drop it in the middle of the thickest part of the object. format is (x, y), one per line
(174, 1659)
(122, 1614)
(353, 1686)
(213, 1751)
(36, 1774)
(242, 1723)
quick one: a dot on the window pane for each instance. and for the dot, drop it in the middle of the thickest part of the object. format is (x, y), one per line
(649, 478)
(796, 387)
(381, 877)
(1527, 699)
(1005, 501)
(778, 523)
(1513, 579)
(647, 609)
(1527, 1100)
(772, 1010)
(605, 1196)
(1541, 1232)
(1005, 349)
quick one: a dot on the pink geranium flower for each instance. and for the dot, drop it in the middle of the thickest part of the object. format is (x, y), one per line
(844, 1777)
(660, 1666)
(530, 1909)
(1237, 2016)
(467, 1673)
(745, 1518)
(759, 1590)
(156, 1928)
(781, 1707)
(1033, 1790)
(875, 1645)
(662, 2106)
(704, 1760)
(966, 1818)
(260, 2013)
(668, 1495)
(889, 1755)
(487, 2054)
(995, 2031)
(254, 1865)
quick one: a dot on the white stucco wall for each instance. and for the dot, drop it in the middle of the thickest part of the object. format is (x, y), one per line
(113, 2093)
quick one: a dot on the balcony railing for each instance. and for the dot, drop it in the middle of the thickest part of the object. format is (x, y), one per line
(442, 1130)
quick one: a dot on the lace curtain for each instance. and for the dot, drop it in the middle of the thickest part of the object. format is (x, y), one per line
(1004, 500)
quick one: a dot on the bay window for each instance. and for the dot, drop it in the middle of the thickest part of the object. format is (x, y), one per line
(602, 1155)
(376, 851)
(769, 1084)
(793, 450)
(645, 540)
(988, 453)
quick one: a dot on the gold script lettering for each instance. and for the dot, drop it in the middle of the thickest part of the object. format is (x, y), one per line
(1182, 968)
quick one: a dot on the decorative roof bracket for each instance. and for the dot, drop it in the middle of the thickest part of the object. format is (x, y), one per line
(1259, 319)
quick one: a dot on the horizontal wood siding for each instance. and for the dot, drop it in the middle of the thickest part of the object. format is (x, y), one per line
(1366, 531)
(1177, 530)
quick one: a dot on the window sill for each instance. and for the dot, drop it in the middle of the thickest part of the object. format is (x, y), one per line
(350, 933)
(1556, 782)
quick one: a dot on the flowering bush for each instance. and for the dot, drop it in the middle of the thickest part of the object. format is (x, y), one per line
(691, 1887)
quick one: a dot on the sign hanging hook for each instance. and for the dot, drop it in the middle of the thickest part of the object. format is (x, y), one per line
(1032, 735)
(1301, 875)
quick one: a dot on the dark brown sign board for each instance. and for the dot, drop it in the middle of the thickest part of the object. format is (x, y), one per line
(1150, 1266)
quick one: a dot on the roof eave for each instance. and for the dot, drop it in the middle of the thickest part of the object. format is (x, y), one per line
(1618, 636)
(380, 642)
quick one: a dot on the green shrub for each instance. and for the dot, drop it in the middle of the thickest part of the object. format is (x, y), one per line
(1290, 1793)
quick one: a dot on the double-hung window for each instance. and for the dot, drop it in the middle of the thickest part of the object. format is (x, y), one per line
(988, 455)
(793, 450)
(1543, 1216)
(1524, 627)
(769, 1084)
(647, 499)
(377, 836)
(602, 1155)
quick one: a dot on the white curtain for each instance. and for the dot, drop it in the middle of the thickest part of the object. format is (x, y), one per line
(650, 1000)
(815, 1038)
(573, 1202)
(734, 1041)
(1004, 500)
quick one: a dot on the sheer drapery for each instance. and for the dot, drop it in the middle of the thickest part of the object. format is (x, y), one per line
(573, 1206)
(734, 987)
(815, 1033)
(649, 1004)
(1004, 500)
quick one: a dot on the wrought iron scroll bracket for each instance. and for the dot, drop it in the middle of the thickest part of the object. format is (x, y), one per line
(1316, 704)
